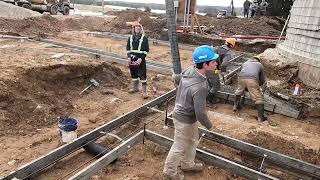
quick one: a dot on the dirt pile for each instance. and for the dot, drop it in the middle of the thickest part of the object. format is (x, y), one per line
(151, 26)
(249, 47)
(42, 94)
(271, 26)
(51, 25)
(11, 11)
(282, 74)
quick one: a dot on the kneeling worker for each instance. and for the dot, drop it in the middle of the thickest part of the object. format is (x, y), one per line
(251, 77)
(190, 107)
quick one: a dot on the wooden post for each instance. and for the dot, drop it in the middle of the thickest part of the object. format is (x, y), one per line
(102, 4)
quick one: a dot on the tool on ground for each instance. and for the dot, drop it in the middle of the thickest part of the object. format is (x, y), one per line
(201, 137)
(112, 135)
(92, 82)
(261, 166)
(154, 109)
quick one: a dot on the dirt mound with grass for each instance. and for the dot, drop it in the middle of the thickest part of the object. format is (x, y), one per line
(40, 95)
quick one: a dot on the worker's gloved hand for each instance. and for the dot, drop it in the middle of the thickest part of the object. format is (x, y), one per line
(138, 62)
(217, 71)
(263, 87)
(129, 61)
(210, 97)
(176, 79)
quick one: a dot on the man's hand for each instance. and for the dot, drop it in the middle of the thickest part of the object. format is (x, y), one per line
(138, 62)
(129, 61)
(217, 71)
(263, 87)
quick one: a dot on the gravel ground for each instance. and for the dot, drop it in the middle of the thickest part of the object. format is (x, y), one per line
(14, 12)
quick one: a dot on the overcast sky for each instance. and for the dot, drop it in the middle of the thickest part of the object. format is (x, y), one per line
(237, 3)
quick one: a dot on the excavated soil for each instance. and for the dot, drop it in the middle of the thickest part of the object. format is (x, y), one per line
(282, 75)
(245, 46)
(154, 27)
(36, 88)
(46, 25)
(40, 95)
(271, 26)
(40, 86)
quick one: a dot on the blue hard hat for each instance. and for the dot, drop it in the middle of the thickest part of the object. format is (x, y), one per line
(204, 53)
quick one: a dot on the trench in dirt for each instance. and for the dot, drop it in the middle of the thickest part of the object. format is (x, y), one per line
(43, 94)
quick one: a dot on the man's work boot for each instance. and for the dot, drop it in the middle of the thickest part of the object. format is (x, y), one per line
(236, 104)
(144, 91)
(134, 86)
(178, 176)
(197, 167)
(260, 109)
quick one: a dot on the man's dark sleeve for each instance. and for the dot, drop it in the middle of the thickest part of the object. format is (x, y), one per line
(225, 62)
(128, 47)
(146, 41)
(262, 78)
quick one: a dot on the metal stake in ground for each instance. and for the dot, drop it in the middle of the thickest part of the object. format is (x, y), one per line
(92, 82)
(261, 166)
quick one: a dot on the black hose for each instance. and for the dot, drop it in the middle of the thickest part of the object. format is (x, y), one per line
(97, 150)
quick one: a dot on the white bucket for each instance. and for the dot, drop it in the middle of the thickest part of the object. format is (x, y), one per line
(68, 129)
(67, 137)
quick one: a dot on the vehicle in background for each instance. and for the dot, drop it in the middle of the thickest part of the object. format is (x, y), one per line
(51, 6)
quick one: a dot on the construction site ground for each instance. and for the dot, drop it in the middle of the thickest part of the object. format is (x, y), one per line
(41, 82)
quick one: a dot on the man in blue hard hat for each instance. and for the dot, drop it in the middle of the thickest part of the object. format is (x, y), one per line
(190, 107)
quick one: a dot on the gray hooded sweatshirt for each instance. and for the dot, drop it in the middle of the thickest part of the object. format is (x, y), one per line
(190, 105)
(253, 69)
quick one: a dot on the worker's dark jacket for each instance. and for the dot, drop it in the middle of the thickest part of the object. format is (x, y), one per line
(252, 69)
(138, 47)
(246, 5)
(223, 61)
(224, 57)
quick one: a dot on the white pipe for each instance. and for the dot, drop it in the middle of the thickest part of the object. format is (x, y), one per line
(285, 25)
(184, 15)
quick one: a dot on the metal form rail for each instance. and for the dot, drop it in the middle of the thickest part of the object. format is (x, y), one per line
(213, 159)
(271, 104)
(93, 168)
(33, 168)
(284, 161)
(207, 157)
(126, 36)
(153, 65)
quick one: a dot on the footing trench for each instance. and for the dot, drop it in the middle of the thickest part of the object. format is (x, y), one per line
(139, 135)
